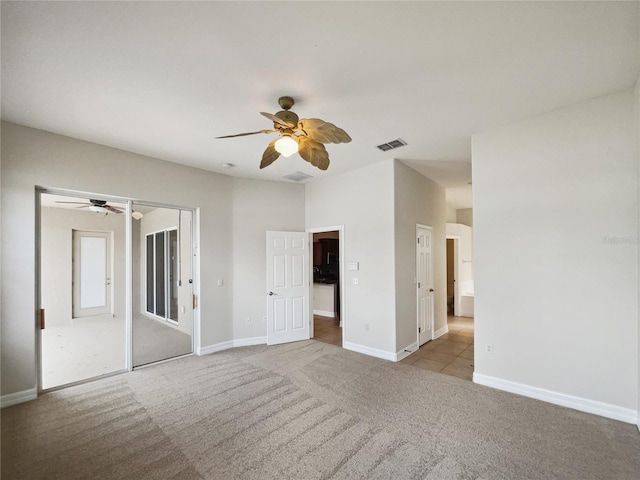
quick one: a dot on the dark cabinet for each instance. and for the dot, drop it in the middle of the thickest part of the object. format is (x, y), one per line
(325, 251)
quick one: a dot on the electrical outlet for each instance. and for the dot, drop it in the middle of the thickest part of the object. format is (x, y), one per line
(366, 327)
(355, 281)
(264, 319)
(489, 348)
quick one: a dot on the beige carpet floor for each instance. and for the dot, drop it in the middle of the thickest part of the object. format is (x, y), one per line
(306, 410)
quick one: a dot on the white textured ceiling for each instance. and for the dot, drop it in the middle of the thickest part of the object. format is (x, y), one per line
(164, 78)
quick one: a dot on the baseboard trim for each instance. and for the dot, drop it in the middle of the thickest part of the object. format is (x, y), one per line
(324, 313)
(441, 331)
(216, 347)
(372, 352)
(602, 409)
(245, 342)
(240, 342)
(406, 351)
(18, 397)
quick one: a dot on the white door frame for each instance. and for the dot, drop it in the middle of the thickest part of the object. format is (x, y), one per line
(195, 269)
(341, 267)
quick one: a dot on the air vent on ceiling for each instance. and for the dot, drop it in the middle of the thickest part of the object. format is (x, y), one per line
(398, 142)
(297, 176)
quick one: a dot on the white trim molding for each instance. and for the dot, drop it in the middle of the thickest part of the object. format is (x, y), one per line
(240, 342)
(441, 331)
(216, 347)
(18, 397)
(406, 351)
(245, 342)
(570, 401)
(373, 352)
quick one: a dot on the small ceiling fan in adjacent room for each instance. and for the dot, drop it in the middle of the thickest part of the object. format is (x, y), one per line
(305, 136)
(98, 206)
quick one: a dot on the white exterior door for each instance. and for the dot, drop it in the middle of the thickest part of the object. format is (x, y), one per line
(287, 287)
(91, 273)
(424, 274)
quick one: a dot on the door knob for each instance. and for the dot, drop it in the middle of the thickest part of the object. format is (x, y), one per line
(271, 293)
(431, 289)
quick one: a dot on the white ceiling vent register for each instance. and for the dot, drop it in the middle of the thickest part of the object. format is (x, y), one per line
(297, 176)
(398, 142)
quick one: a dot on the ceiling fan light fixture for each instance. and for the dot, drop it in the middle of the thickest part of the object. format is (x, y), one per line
(98, 209)
(137, 215)
(286, 146)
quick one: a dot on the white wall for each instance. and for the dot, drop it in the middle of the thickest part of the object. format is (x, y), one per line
(32, 157)
(57, 227)
(258, 206)
(464, 216)
(452, 214)
(417, 200)
(556, 275)
(362, 201)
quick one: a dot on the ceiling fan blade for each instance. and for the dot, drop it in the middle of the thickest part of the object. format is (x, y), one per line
(313, 152)
(76, 203)
(112, 209)
(323, 132)
(84, 206)
(277, 120)
(248, 133)
(270, 155)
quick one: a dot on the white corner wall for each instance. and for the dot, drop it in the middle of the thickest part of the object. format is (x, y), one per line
(556, 256)
(362, 201)
(258, 206)
(417, 199)
(33, 157)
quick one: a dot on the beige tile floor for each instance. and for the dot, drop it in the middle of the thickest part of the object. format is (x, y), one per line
(327, 330)
(451, 354)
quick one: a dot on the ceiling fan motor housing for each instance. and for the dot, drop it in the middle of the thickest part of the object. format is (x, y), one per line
(289, 117)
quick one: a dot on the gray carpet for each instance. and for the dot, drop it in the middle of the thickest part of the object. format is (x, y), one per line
(305, 411)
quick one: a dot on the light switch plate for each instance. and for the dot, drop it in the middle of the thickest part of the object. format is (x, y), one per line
(353, 266)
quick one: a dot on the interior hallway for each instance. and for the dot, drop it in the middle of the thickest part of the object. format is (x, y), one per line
(451, 354)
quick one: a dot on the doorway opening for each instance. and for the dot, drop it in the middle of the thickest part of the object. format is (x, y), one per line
(328, 285)
(452, 261)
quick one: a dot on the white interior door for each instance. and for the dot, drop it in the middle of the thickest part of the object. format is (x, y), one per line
(287, 287)
(424, 274)
(91, 273)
